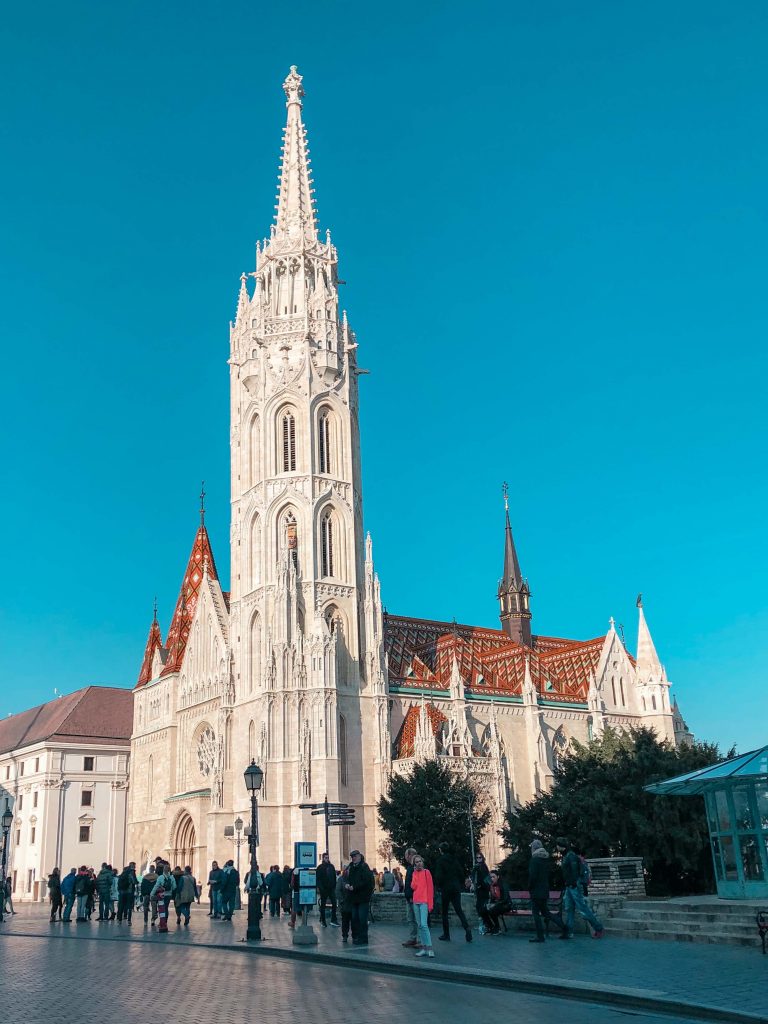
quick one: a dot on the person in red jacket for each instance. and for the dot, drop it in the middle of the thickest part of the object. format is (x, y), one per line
(423, 901)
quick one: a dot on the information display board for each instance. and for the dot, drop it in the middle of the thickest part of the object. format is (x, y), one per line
(305, 855)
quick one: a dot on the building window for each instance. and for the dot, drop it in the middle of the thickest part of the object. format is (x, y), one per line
(88, 764)
(18, 837)
(342, 750)
(34, 799)
(30, 879)
(21, 801)
(21, 767)
(86, 798)
(326, 544)
(653, 702)
(85, 833)
(621, 689)
(37, 764)
(32, 833)
(289, 442)
(324, 441)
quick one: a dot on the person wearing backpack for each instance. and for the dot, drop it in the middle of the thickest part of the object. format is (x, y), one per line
(585, 876)
(573, 898)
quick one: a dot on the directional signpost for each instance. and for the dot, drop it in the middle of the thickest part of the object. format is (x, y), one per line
(335, 814)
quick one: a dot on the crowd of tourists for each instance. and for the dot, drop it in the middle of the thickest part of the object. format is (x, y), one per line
(344, 895)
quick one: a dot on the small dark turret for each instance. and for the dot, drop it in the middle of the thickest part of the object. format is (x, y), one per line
(514, 595)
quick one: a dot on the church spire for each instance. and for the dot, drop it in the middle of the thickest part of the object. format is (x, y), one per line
(649, 668)
(295, 218)
(513, 594)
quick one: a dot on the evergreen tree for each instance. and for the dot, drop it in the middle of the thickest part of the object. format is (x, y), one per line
(598, 801)
(427, 806)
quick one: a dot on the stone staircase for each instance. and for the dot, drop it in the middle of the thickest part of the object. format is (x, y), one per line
(692, 920)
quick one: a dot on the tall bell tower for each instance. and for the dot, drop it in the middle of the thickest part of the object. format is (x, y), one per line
(306, 622)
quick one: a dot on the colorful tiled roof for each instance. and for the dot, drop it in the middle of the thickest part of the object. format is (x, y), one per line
(154, 643)
(178, 634)
(421, 654)
(407, 735)
(93, 715)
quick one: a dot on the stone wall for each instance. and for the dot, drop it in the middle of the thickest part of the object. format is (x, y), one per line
(616, 876)
(389, 908)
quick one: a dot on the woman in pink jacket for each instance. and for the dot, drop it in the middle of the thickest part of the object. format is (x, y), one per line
(423, 901)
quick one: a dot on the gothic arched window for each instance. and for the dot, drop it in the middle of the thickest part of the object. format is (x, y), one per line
(288, 434)
(254, 547)
(342, 750)
(251, 742)
(255, 652)
(326, 544)
(324, 441)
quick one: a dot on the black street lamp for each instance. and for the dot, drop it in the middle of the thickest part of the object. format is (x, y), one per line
(7, 821)
(254, 777)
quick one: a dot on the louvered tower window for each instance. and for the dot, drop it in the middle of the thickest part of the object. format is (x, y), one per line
(326, 544)
(289, 442)
(324, 442)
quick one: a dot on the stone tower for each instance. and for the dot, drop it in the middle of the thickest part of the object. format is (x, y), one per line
(306, 624)
(514, 595)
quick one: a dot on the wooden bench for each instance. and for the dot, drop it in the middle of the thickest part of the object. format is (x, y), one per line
(521, 906)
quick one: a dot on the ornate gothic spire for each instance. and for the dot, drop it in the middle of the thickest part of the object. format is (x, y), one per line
(649, 668)
(154, 643)
(200, 561)
(513, 592)
(295, 219)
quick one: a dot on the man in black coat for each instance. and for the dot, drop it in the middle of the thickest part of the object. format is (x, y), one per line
(326, 889)
(538, 886)
(449, 879)
(230, 882)
(360, 887)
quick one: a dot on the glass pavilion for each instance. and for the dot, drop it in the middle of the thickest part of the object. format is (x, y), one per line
(736, 797)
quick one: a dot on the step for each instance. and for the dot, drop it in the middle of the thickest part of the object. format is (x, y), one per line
(698, 921)
(665, 935)
(726, 931)
(737, 907)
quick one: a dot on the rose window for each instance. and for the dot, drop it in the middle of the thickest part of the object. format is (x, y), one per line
(206, 751)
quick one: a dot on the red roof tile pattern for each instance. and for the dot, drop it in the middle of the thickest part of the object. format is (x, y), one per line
(154, 643)
(421, 654)
(404, 743)
(178, 634)
(93, 715)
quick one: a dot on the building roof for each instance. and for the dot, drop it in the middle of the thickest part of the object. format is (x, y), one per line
(404, 742)
(200, 561)
(95, 714)
(154, 643)
(744, 768)
(421, 652)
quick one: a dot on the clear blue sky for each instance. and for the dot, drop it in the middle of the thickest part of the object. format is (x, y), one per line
(552, 221)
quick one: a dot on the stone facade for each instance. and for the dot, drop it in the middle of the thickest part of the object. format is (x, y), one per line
(296, 666)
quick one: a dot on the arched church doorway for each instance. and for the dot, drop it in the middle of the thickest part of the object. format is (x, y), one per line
(183, 849)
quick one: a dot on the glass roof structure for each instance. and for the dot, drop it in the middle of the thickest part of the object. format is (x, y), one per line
(749, 767)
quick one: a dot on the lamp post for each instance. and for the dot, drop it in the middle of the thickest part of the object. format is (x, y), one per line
(254, 777)
(7, 821)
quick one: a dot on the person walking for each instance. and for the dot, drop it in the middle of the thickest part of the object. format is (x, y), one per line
(573, 897)
(214, 889)
(387, 880)
(326, 889)
(399, 881)
(538, 886)
(185, 894)
(412, 939)
(344, 903)
(274, 884)
(84, 887)
(230, 883)
(126, 883)
(360, 886)
(481, 882)
(163, 891)
(286, 893)
(68, 894)
(449, 879)
(423, 890)
(148, 880)
(498, 904)
(54, 893)
(104, 887)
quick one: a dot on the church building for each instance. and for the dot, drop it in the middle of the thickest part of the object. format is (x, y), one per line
(297, 666)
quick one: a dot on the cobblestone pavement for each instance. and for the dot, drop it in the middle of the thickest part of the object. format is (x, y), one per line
(727, 977)
(136, 983)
